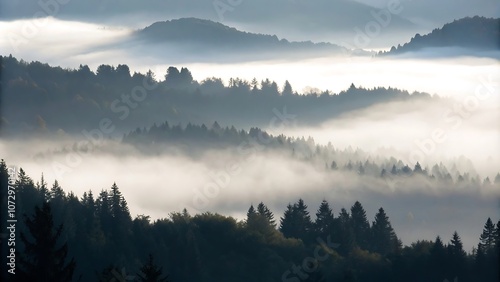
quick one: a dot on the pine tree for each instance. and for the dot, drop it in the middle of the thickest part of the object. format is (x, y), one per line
(264, 211)
(296, 222)
(360, 225)
(287, 89)
(438, 259)
(417, 168)
(487, 239)
(384, 239)
(497, 236)
(324, 220)
(251, 213)
(287, 222)
(456, 247)
(457, 257)
(104, 214)
(56, 192)
(44, 191)
(344, 236)
(42, 260)
(150, 272)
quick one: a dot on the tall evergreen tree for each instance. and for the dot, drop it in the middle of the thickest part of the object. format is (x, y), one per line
(287, 89)
(42, 259)
(42, 188)
(456, 247)
(296, 222)
(251, 213)
(487, 238)
(324, 220)
(264, 211)
(360, 226)
(287, 222)
(384, 239)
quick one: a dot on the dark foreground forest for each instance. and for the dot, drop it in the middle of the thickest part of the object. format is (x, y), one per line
(62, 237)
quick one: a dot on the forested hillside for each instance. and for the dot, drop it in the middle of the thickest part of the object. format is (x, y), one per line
(100, 240)
(476, 33)
(129, 101)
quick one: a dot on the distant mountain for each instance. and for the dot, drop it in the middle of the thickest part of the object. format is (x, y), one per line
(474, 34)
(300, 17)
(205, 35)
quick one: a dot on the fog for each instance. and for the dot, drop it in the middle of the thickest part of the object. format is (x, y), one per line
(97, 44)
(227, 182)
(406, 130)
(158, 185)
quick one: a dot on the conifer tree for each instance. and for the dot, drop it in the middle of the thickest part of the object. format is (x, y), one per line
(324, 220)
(360, 225)
(487, 238)
(264, 211)
(42, 259)
(384, 239)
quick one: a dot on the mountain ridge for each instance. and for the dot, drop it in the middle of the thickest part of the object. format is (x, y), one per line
(473, 33)
(191, 31)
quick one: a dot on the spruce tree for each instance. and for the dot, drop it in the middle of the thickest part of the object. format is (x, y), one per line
(43, 260)
(487, 238)
(384, 239)
(287, 222)
(360, 225)
(324, 220)
(264, 211)
(42, 188)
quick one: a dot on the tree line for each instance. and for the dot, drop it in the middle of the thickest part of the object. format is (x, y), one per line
(94, 238)
(192, 138)
(38, 96)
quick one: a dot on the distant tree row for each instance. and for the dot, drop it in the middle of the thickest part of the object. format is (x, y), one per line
(47, 100)
(194, 137)
(64, 238)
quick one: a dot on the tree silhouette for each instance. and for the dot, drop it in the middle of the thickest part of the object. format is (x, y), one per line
(43, 260)
(287, 89)
(487, 238)
(296, 222)
(264, 211)
(360, 225)
(324, 220)
(384, 239)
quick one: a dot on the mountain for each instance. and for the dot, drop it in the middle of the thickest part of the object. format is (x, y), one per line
(297, 15)
(205, 35)
(472, 34)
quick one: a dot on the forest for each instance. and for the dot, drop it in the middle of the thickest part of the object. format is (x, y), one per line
(133, 100)
(93, 237)
(250, 141)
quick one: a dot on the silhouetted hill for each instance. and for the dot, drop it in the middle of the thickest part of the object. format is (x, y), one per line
(39, 98)
(477, 33)
(204, 35)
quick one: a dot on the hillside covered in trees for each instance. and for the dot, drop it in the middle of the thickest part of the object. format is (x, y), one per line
(476, 33)
(43, 94)
(95, 238)
(208, 37)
